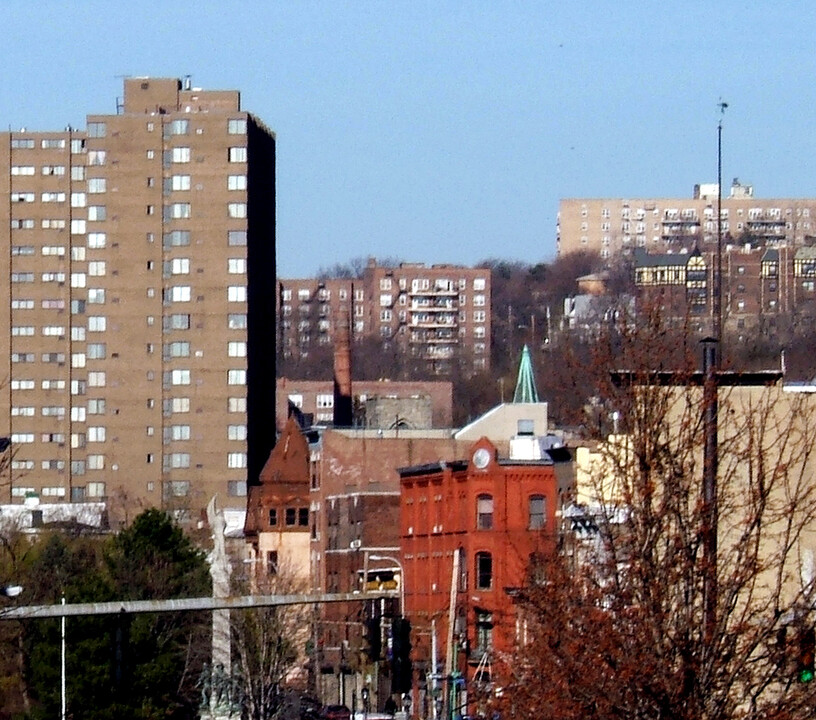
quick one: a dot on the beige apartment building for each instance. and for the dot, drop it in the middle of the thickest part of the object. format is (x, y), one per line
(437, 315)
(139, 332)
(609, 226)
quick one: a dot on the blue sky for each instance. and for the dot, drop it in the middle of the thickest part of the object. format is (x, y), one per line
(448, 131)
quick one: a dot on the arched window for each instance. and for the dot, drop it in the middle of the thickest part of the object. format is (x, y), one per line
(484, 512)
(484, 571)
(537, 506)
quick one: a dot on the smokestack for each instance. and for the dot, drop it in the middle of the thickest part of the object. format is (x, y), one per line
(343, 412)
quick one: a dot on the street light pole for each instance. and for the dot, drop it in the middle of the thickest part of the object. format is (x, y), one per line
(718, 279)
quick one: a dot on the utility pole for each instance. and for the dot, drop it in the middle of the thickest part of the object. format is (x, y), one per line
(718, 314)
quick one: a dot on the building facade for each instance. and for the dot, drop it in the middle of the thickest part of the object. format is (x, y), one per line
(137, 254)
(436, 315)
(606, 227)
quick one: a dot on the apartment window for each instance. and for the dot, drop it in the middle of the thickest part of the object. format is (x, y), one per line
(21, 465)
(237, 154)
(22, 331)
(95, 489)
(22, 224)
(177, 460)
(236, 349)
(96, 296)
(179, 266)
(97, 158)
(177, 211)
(236, 182)
(22, 304)
(180, 155)
(236, 377)
(96, 434)
(54, 330)
(237, 210)
(484, 571)
(176, 238)
(78, 227)
(96, 268)
(96, 185)
(236, 126)
(180, 293)
(77, 468)
(177, 321)
(96, 406)
(291, 516)
(96, 351)
(53, 224)
(236, 238)
(179, 377)
(58, 277)
(23, 357)
(78, 200)
(53, 384)
(78, 173)
(273, 517)
(96, 379)
(22, 277)
(177, 127)
(236, 432)
(478, 300)
(236, 266)
(78, 414)
(177, 349)
(236, 293)
(97, 240)
(237, 321)
(179, 405)
(97, 323)
(236, 405)
(236, 460)
(96, 462)
(484, 512)
(22, 144)
(537, 510)
(177, 433)
(29, 196)
(22, 384)
(77, 387)
(22, 169)
(97, 129)
(22, 438)
(479, 316)
(27, 411)
(236, 488)
(77, 280)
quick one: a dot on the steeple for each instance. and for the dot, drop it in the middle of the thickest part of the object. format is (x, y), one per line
(525, 384)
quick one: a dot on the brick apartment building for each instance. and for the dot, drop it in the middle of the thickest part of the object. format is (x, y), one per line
(436, 315)
(606, 227)
(137, 254)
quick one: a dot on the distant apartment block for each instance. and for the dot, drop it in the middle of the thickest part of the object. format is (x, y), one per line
(607, 227)
(136, 255)
(437, 315)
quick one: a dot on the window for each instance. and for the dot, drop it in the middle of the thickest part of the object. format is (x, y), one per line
(22, 224)
(478, 316)
(180, 405)
(237, 321)
(177, 460)
(96, 379)
(96, 351)
(235, 404)
(22, 144)
(57, 250)
(236, 349)
(96, 296)
(180, 293)
(23, 357)
(538, 512)
(236, 238)
(236, 377)
(53, 144)
(95, 489)
(53, 330)
(22, 331)
(22, 277)
(22, 438)
(78, 227)
(237, 210)
(22, 169)
(78, 200)
(180, 155)
(77, 280)
(177, 433)
(97, 240)
(177, 349)
(97, 129)
(58, 277)
(273, 517)
(291, 516)
(237, 154)
(236, 182)
(325, 401)
(78, 414)
(96, 185)
(97, 323)
(177, 321)
(237, 126)
(236, 293)
(179, 377)
(96, 406)
(271, 562)
(236, 488)
(484, 571)
(78, 173)
(236, 432)
(176, 211)
(236, 266)
(176, 238)
(53, 224)
(236, 460)
(478, 300)
(96, 434)
(96, 268)
(22, 304)
(177, 127)
(484, 512)
(29, 196)
(179, 266)
(96, 462)
(479, 283)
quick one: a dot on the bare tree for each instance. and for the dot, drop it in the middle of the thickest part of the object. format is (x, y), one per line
(618, 625)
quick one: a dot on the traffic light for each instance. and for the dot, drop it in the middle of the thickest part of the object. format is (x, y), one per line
(807, 654)
(373, 639)
(401, 670)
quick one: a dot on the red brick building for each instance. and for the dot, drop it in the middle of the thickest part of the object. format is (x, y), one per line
(468, 531)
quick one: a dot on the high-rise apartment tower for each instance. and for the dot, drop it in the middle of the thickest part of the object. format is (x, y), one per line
(139, 327)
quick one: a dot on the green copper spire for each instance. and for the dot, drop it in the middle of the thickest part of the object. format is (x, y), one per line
(525, 385)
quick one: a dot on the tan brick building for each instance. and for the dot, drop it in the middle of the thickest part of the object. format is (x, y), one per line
(437, 314)
(608, 226)
(138, 306)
